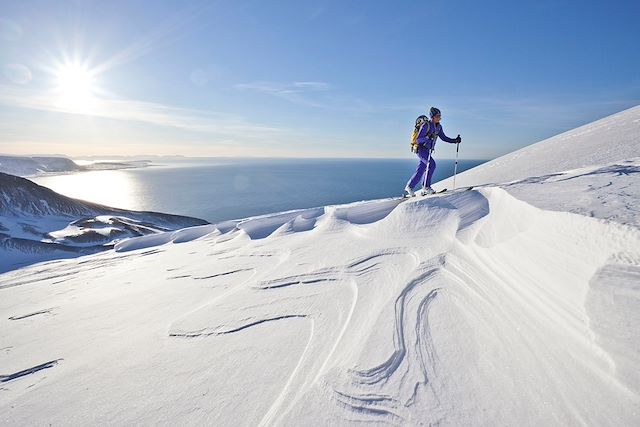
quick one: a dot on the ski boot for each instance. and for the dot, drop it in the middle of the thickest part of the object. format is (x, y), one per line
(427, 190)
(408, 192)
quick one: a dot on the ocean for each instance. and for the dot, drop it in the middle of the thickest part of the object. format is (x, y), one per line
(220, 189)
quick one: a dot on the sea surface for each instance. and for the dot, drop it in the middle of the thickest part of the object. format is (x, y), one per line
(221, 189)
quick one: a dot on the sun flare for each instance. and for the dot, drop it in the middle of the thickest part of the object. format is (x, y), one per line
(75, 87)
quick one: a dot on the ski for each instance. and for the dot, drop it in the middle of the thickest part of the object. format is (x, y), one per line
(405, 196)
(457, 190)
(444, 190)
(461, 189)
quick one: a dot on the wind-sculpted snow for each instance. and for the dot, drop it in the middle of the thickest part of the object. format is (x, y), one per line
(609, 191)
(510, 304)
(412, 312)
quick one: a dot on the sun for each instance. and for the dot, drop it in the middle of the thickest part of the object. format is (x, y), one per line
(75, 87)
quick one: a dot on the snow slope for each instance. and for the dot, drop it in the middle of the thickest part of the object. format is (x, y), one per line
(604, 141)
(471, 308)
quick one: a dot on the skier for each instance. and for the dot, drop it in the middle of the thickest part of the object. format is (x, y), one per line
(425, 142)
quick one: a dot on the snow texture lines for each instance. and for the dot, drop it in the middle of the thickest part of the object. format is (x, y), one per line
(222, 331)
(35, 313)
(369, 389)
(28, 371)
(382, 373)
(327, 298)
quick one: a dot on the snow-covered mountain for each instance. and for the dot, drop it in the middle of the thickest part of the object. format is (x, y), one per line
(26, 166)
(39, 224)
(515, 303)
(31, 166)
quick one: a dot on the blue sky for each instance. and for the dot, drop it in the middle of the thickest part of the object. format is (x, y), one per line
(307, 78)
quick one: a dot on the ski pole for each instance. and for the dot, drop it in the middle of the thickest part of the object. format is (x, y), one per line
(426, 171)
(455, 169)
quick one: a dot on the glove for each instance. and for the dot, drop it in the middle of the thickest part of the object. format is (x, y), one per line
(458, 139)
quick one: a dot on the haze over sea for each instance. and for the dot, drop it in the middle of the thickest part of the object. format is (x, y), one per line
(217, 189)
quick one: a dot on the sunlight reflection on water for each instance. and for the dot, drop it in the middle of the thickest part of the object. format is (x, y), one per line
(115, 188)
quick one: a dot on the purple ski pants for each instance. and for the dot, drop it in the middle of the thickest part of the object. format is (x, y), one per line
(423, 154)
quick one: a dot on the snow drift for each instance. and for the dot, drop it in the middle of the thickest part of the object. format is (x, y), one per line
(509, 304)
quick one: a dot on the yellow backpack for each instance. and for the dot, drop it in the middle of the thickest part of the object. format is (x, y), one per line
(420, 121)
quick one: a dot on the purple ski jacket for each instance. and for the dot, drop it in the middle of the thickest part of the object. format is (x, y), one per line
(429, 133)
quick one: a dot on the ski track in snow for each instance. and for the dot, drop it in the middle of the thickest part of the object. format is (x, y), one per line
(500, 305)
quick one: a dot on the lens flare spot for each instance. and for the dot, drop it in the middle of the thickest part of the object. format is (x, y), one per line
(75, 87)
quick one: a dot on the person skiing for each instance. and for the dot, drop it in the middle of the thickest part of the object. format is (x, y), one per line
(428, 133)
